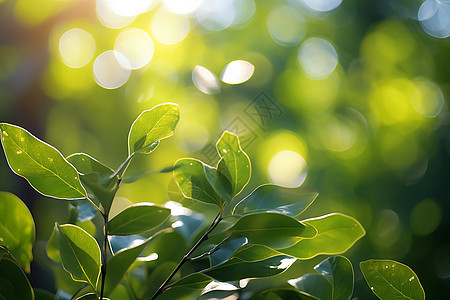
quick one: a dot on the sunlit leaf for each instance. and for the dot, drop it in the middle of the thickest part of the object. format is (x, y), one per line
(236, 269)
(119, 264)
(17, 230)
(80, 253)
(389, 279)
(272, 229)
(86, 164)
(40, 164)
(336, 233)
(335, 281)
(273, 198)
(252, 252)
(156, 278)
(138, 218)
(151, 126)
(53, 248)
(191, 179)
(14, 284)
(193, 281)
(218, 182)
(235, 163)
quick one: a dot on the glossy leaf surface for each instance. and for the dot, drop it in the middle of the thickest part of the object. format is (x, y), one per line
(193, 281)
(191, 179)
(80, 254)
(17, 229)
(336, 233)
(151, 126)
(14, 284)
(219, 182)
(389, 279)
(273, 198)
(334, 281)
(86, 164)
(236, 269)
(138, 218)
(235, 163)
(272, 229)
(40, 164)
(251, 252)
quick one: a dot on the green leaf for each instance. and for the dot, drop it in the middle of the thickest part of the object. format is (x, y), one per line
(14, 284)
(90, 296)
(138, 218)
(335, 281)
(237, 269)
(218, 182)
(151, 126)
(52, 247)
(191, 179)
(17, 229)
(80, 254)
(119, 264)
(225, 251)
(336, 233)
(40, 164)
(235, 163)
(272, 229)
(87, 164)
(251, 253)
(41, 294)
(273, 198)
(389, 279)
(280, 294)
(192, 281)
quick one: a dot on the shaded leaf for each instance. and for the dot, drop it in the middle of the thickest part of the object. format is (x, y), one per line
(335, 281)
(223, 253)
(119, 264)
(218, 295)
(151, 126)
(14, 284)
(17, 229)
(40, 294)
(280, 294)
(272, 229)
(237, 269)
(218, 182)
(138, 218)
(273, 198)
(40, 164)
(53, 248)
(80, 254)
(90, 296)
(193, 281)
(235, 163)
(336, 233)
(389, 279)
(191, 179)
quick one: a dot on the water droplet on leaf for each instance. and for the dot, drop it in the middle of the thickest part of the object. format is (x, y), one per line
(411, 279)
(4, 133)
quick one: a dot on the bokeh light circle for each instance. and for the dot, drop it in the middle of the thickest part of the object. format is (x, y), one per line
(216, 15)
(434, 17)
(285, 27)
(109, 18)
(287, 168)
(205, 80)
(109, 73)
(322, 5)
(182, 6)
(317, 57)
(169, 28)
(130, 8)
(136, 45)
(427, 98)
(237, 72)
(77, 47)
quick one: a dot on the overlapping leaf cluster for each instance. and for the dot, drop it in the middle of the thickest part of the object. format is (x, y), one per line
(148, 251)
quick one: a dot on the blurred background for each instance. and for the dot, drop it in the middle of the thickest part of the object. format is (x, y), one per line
(347, 98)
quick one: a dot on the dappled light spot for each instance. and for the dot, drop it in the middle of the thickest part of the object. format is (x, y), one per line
(337, 134)
(182, 6)
(130, 8)
(205, 80)
(176, 209)
(169, 28)
(136, 45)
(286, 27)
(216, 15)
(322, 5)
(317, 57)
(244, 12)
(237, 72)
(111, 19)
(387, 229)
(150, 257)
(427, 98)
(77, 47)
(109, 73)
(287, 168)
(219, 286)
(434, 17)
(428, 210)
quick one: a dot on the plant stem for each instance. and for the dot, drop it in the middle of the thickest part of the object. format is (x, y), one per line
(204, 237)
(104, 254)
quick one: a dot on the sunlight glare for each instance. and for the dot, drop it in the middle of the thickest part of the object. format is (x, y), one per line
(108, 71)
(130, 8)
(216, 15)
(205, 80)
(77, 47)
(182, 6)
(288, 169)
(169, 28)
(109, 18)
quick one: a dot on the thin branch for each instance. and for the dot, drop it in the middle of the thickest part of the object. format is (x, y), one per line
(204, 237)
(214, 249)
(104, 255)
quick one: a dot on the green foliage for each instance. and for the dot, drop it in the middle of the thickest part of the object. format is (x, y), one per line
(17, 228)
(146, 251)
(389, 279)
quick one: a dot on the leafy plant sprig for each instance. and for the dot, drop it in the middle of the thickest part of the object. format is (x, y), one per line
(145, 251)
